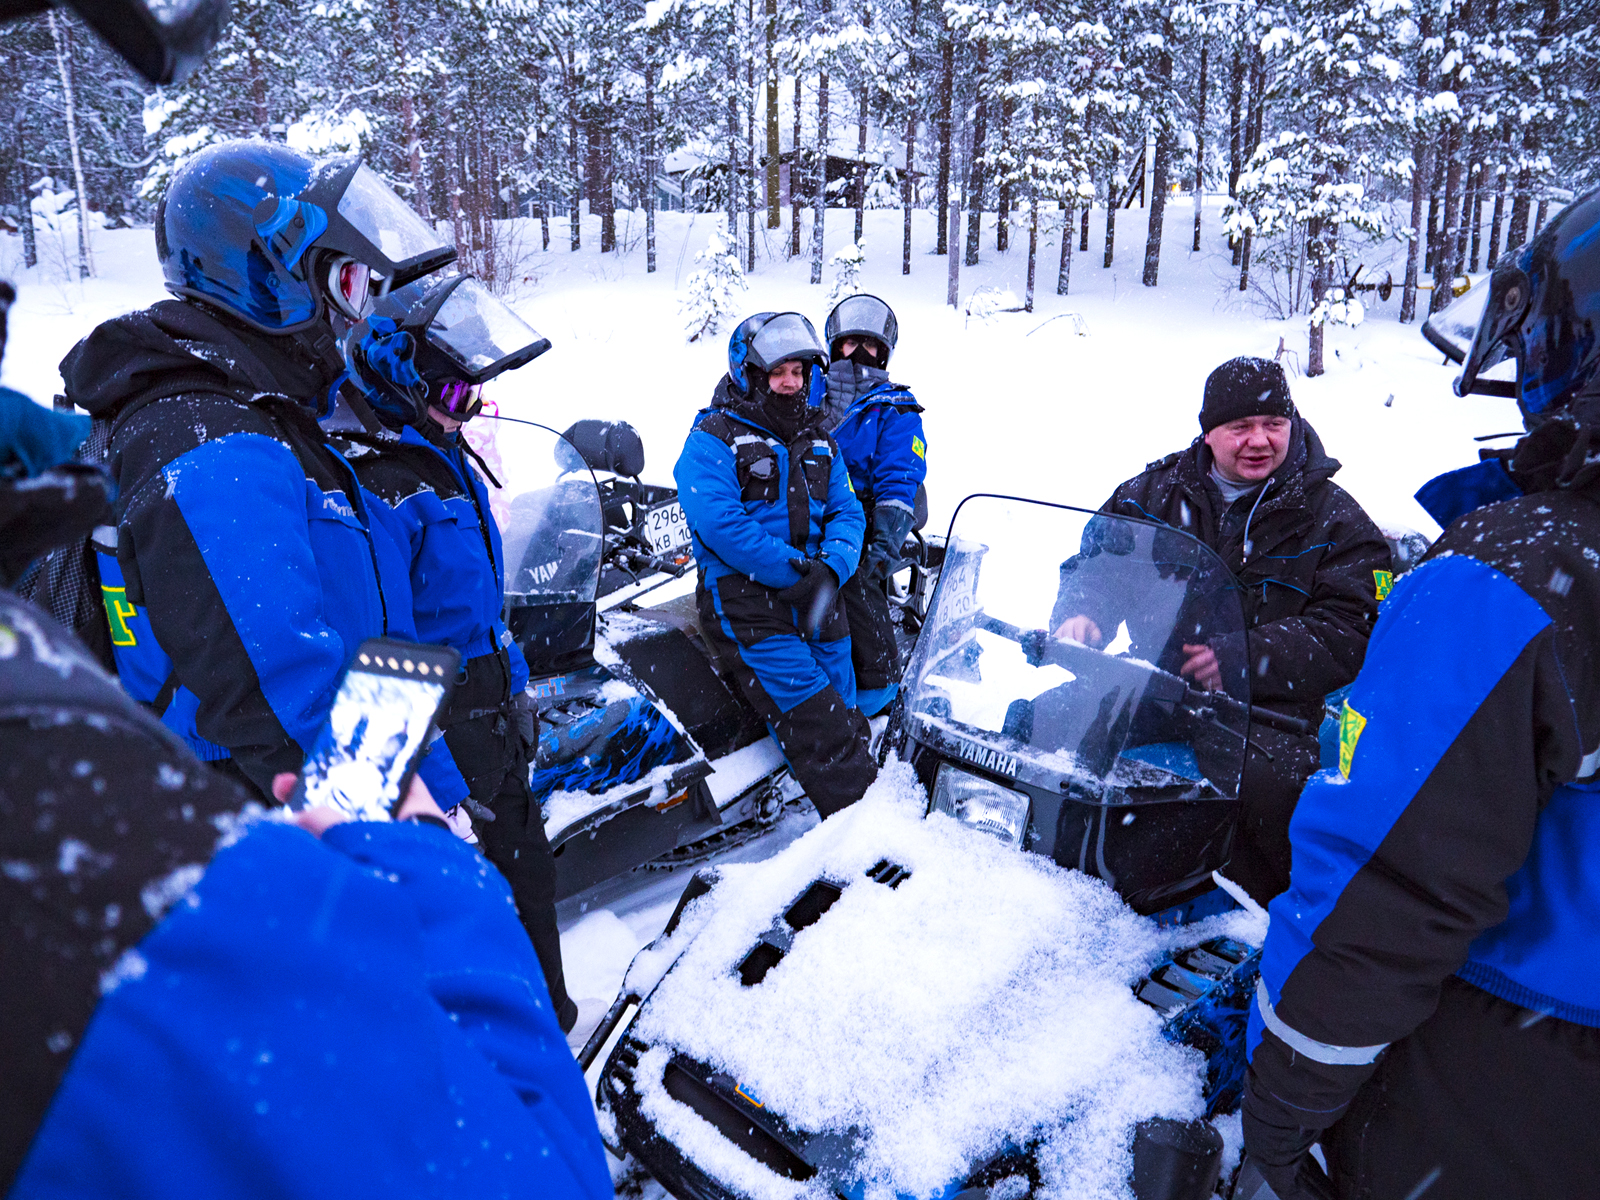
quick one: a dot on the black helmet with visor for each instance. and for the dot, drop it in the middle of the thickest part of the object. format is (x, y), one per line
(862, 316)
(1543, 310)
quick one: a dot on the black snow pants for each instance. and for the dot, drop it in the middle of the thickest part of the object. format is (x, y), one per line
(1484, 1101)
(873, 651)
(825, 740)
(482, 729)
(1268, 792)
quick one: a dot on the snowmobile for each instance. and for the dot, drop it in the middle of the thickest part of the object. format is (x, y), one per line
(1050, 764)
(645, 754)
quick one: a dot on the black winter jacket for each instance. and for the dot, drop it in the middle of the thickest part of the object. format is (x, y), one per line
(1310, 562)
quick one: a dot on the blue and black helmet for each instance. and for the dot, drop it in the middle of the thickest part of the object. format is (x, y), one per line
(275, 238)
(1543, 310)
(763, 341)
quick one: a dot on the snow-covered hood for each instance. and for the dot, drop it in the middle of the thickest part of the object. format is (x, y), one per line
(133, 354)
(982, 997)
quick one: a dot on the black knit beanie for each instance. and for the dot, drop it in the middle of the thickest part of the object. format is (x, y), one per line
(1245, 387)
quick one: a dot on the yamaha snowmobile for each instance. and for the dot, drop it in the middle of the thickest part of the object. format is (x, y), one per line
(1022, 910)
(646, 756)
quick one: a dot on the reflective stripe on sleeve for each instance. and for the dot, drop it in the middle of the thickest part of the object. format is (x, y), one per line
(1322, 1052)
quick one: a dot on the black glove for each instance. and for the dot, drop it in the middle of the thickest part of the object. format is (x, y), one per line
(814, 596)
(1283, 1156)
(890, 525)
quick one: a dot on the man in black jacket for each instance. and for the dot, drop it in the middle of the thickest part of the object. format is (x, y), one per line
(1257, 488)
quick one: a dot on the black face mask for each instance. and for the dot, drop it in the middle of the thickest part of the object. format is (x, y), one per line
(866, 354)
(786, 415)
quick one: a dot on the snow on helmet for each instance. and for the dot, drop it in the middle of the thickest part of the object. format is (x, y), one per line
(862, 316)
(275, 238)
(1543, 310)
(739, 348)
(436, 342)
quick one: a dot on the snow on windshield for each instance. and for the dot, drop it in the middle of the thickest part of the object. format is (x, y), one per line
(1006, 676)
(986, 997)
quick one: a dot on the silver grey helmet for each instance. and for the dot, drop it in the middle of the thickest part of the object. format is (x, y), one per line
(862, 316)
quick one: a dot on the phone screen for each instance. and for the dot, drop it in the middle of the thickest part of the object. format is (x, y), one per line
(376, 730)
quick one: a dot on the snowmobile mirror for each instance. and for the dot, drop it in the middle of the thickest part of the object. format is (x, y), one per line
(611, 446)
(164, 40)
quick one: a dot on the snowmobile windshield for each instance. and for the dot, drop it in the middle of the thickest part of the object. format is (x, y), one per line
(547, 508)
(1057, 643)
(480, 335)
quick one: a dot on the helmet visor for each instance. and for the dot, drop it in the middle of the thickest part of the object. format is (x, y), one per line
(1499, 332)
(462, 400)
(480, 335)
(371, 208)
(787, 335)
(865, 316)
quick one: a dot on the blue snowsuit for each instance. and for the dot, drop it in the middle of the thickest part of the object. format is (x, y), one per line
(1430, 986)
(269, 1017)
(879, 432)
(250, 564)
(453, 553)
(755, 503)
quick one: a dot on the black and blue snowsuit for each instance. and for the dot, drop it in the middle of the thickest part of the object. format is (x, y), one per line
(250, 562)
(199, 1002)
(456, 566)
(1430, 993)
(756, 502)
(878, 427)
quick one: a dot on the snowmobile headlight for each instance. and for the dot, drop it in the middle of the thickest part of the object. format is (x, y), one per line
(985, 806)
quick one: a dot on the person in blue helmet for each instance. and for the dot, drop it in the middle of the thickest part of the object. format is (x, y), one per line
(247, 562)
(878, 427)
(417, 369)
(1429, 1002)
(777, 531)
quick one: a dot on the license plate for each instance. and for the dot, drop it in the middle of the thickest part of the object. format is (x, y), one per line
(666, 529)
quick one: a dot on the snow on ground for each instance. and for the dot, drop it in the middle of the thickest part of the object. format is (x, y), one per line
(1017, 403)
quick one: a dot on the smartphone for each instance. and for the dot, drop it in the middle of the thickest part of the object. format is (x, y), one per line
(381, 720)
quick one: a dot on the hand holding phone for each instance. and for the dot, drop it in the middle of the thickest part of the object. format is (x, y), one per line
(381, 721)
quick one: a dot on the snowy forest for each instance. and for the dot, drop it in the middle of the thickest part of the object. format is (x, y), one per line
(1452, 126)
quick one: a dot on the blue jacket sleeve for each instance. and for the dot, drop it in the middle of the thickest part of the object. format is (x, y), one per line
(900, 462)
(844, 525)
(708, 489)
(390, 540)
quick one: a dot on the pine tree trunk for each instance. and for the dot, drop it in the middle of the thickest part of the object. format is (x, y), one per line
(952, 287)
(452, 189)
(1319, 289)
(1064, 271)
(1235, 132)
(1111, 215)
(1083, 240)
(62, 38)
(774, 144)
(408, 113)
(1163, 160)
(796, 177)
(576, 211)
(733, 133)
(1200, 145)
(1422, 167)
(1444, 261)
(980, 129)
(1498, 217)
(30, 244)
(861, 164)
(819, 216)
(650, 163)
(1544, 209)
(1244, 259)
(1477, 215)
(1033, 237)
(906, 189)
(606, 128)
(1435, 197)
(750, 150)
(946, 103)
(1003, 201)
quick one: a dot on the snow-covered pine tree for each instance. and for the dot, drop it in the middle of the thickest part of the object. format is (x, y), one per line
(713, 290)
(847, 264)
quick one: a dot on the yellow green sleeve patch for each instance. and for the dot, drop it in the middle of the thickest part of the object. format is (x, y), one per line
(919, 448)
(1351, 723)
(1382, 583)
(118, 610)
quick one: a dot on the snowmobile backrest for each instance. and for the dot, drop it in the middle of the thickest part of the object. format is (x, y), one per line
(611, 446)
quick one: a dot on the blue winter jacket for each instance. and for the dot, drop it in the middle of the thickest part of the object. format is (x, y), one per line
(883, 444)
(1460, 834)
(356, 1016)
(442, 513)
(734, 483)
(244, 539)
